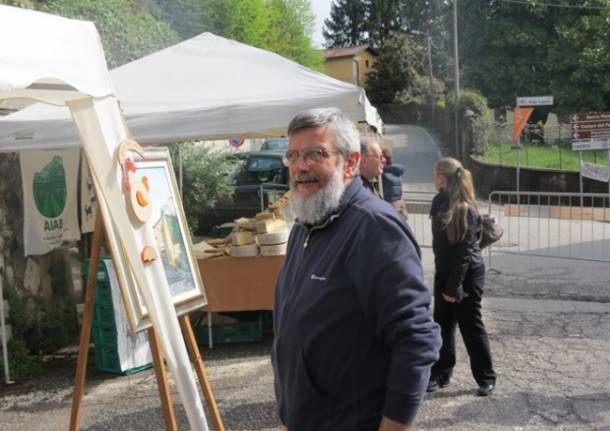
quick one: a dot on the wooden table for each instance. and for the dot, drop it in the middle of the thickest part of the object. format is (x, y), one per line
(239, 283)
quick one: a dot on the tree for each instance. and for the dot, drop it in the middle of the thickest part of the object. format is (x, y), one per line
(397, 74)
(244, 21)
(287, 35)
(204, 172)
(509, 50)
(188, 18)
(346, 25)
(127, 29)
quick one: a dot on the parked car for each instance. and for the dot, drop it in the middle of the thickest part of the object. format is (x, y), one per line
(275, 144)
(260, 179)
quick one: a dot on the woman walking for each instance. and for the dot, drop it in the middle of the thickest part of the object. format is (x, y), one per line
(459, 277)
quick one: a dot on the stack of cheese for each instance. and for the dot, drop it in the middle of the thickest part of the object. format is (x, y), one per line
(272, 234)
(243, 243)
(267, 232)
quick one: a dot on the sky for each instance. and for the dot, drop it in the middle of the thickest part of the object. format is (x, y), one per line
(321, 8)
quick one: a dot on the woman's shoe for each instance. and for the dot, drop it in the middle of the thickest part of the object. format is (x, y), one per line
(437, 383)
(486, 390)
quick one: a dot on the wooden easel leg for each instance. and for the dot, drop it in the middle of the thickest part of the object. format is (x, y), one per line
(191, 343)
(162, 382)
(85, 332)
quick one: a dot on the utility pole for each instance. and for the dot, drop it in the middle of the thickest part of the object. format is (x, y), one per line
(456, 76)
(431, 78)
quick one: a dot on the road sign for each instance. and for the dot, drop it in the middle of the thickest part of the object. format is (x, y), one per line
(535, 101)
(590, 131)
(595, 172)
(236, 142)
(591, 144)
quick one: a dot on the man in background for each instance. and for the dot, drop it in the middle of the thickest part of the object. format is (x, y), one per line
(371, 165)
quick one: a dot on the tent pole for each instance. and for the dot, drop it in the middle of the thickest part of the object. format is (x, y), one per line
(7, 376)
(180, 169)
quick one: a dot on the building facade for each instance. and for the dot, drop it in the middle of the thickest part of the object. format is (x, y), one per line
(350, 64)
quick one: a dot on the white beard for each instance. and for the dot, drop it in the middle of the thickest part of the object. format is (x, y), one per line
(314, 209)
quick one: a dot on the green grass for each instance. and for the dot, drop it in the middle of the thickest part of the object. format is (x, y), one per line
(554, 157)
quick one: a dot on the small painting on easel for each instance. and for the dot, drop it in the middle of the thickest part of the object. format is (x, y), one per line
(154, 174)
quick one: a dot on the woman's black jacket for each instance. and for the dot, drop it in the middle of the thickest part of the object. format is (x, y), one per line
(453, 261)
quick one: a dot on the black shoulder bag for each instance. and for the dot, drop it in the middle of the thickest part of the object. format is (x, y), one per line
(490, 231)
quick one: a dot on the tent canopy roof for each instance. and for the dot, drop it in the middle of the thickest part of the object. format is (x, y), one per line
(65, 63)
(203, 88)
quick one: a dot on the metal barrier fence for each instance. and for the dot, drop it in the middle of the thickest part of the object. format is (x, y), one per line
(418, 207)
(562, 225)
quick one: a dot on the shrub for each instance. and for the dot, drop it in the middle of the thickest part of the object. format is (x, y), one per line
(204, 177)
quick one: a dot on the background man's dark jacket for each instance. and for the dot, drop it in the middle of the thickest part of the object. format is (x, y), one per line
(354, 339)
(392, 182)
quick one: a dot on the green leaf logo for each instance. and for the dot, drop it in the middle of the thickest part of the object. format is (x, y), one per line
(50, 188)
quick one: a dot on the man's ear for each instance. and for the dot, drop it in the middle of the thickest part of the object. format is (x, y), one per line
(351, 165)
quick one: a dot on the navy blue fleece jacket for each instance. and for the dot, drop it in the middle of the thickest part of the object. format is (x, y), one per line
(354, 339)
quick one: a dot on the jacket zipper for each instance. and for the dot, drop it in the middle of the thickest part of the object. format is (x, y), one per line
(318, 227)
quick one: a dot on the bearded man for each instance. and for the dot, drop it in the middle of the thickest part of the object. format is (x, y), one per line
(354, 339)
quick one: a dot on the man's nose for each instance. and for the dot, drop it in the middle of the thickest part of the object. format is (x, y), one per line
(301, 165)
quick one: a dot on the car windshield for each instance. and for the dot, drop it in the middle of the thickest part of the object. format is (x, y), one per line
(275, 144)
(262, 169)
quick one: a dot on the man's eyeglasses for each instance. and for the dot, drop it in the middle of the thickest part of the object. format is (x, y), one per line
(311, 156)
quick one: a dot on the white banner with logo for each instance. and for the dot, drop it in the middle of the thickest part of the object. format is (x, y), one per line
(88, 200)
(50, 187)
(595, 172)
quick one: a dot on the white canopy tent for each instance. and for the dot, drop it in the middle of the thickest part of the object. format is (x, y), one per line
(56, 60)
(206, 87)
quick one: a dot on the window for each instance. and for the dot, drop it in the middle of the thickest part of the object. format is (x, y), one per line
(261, 169)
(366, 64)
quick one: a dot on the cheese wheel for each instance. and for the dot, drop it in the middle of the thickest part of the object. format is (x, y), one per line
(273, 238)
(242, 238)
(273, 250)
(244, 250)
(274, 225)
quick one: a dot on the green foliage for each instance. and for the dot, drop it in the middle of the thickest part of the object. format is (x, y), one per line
(546, 156)
(244, 21)
(284, 27)
(472, 100)
(396, 76)
(40, 325)
(346, 25)
(25, 4)
(289, 32)
(372, 22)
(127, 28)
(204, 177)
(188, 18)
(22, 364)
(513, 49)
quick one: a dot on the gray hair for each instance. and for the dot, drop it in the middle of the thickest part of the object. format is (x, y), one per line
(365, 142)
(346, 135)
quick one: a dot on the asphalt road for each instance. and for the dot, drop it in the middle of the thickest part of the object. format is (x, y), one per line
(549, 326)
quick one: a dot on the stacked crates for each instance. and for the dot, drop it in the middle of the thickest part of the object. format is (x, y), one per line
(247, 329)
(104, 325)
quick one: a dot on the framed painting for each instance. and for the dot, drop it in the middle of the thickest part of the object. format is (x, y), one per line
(173, 244)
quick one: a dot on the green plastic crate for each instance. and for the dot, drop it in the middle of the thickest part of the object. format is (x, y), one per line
(107, 359)
(103, 314)
(102, 275)
(104, 334)
(240, 332)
